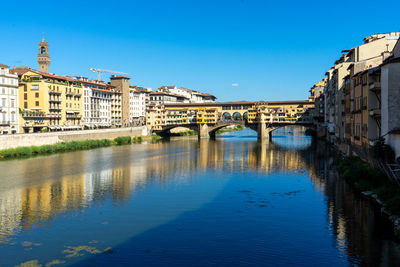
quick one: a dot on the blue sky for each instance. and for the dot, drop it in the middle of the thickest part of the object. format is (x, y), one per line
(273, 50)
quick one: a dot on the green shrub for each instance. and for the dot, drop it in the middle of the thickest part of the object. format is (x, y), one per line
(386, 192)
(46, 149)
(139, 139)
(364, 185)
(61, 147)
(123, 140)
(23, 151)
(8, 153)
(35, 150)
(106, 142)
(155, 137)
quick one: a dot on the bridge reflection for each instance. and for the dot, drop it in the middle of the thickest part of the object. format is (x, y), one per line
(52, 188)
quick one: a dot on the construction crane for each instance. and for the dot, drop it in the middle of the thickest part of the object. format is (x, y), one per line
(99, 71)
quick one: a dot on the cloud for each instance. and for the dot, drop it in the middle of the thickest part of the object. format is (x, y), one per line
(235, 84)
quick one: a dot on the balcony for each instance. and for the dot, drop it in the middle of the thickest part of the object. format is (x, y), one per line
(54, 116)
(69, 93)
(73, 116)
(54, 92)
(375, 86)
(33, 114)
(56, 100)
(57, 108)
(5, 123)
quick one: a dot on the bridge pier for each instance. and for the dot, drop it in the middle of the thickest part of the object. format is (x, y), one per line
(203, 131)
(263, 132)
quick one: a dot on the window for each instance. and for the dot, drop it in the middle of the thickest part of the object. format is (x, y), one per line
(36, 95)
(25, 96)
(25, 104)
(13, 116)
(12, 103)
(37, 103)
(35, 87)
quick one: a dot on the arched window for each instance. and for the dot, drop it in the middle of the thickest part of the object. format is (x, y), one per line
(237, 116)
(43, 50)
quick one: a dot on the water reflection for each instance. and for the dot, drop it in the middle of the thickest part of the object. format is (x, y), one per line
(38, 190)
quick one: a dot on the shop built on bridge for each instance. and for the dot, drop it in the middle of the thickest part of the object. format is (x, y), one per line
(207, 118)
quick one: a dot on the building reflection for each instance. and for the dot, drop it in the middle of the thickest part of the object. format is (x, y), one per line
(360, 233)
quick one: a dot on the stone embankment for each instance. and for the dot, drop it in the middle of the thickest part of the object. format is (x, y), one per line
(39, 139)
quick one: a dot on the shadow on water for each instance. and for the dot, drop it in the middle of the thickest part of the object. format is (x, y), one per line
(230, 201)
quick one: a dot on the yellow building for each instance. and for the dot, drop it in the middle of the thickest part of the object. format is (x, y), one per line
(206, 115)
(155, 116)
(281, 112)
(176, 117)
(48, 101)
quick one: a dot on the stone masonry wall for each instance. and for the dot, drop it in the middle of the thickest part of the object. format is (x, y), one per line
(38, 139)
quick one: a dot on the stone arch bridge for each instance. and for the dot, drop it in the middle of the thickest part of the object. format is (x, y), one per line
(263, 130)
(262, 117)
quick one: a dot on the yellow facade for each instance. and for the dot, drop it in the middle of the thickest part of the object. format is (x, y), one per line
(206, 115)
(273, 113)
(176, 116)
(154, 117)
(49, 102)
(252, 112)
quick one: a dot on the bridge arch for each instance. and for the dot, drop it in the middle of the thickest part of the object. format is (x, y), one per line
(237, 116)
(166, 131)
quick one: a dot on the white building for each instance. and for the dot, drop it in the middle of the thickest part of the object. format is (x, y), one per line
(138, 101)
(97, 99)
(190, 95)
(162, 98)
(9, 118)
(390, 100)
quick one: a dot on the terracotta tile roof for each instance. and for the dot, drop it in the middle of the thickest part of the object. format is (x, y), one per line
(96, 83)
(102, 90)
(20, 70)
(3, 66)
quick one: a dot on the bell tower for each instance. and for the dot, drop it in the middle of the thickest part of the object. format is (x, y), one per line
(43, 56)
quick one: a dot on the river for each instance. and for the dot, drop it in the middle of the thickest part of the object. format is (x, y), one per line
(183, 202)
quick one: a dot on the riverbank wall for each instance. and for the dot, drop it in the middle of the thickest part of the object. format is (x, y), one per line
(39, 139)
